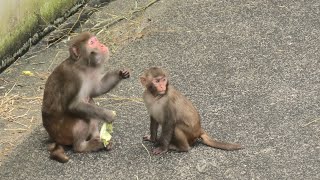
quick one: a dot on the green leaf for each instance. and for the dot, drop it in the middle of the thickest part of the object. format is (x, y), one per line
(105, 133)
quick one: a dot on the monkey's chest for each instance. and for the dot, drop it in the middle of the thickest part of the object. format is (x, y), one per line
(156, 110)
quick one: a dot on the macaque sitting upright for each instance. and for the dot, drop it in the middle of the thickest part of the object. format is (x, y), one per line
(69, 113)
(179, 119)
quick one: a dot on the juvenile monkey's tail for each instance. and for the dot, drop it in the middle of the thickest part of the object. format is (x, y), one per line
(57, 153)
(207, 140)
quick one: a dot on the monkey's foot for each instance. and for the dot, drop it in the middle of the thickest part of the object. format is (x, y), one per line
(148, 138)
(159, 150)
(62, 158)
(109, 146)
(58, 154)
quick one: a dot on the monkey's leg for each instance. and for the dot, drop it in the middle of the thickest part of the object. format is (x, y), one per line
(57, 153)
(51, 146)
(81, 132)
(55, 149)
(153, 131)
(179, 141)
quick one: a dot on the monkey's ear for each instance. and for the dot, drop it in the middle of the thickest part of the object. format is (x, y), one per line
(74, 52)
(143, 81)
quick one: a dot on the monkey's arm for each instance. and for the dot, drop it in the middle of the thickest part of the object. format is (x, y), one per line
(167, 130)
(88, 111)
(110, 80)
(153, 131)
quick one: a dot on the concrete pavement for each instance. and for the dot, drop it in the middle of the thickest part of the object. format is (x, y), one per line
(251, 68)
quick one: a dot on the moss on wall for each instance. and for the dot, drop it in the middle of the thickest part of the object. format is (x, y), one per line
(22, 18)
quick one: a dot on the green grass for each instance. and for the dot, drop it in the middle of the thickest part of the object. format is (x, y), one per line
(19, 20)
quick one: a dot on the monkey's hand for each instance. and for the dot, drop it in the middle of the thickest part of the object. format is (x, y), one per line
(159, 150)
(149, 138)
(124, 74)
(109, 115)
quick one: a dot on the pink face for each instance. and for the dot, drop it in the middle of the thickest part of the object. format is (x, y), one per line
(160, 83)
(94, 43)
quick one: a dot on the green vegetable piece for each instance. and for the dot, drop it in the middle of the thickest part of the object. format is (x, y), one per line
(105, 133)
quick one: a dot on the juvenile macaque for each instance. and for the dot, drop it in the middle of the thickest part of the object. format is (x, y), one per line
(179, 119)
(69, 113)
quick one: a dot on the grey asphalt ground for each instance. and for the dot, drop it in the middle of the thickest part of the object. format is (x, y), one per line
(252, 69)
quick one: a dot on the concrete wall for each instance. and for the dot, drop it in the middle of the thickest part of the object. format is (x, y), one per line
(20, 19)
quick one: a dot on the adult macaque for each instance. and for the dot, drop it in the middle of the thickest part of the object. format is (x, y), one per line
(69, 113)
(179, 119)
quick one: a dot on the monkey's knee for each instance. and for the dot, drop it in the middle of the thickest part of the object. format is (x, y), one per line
(58, 154)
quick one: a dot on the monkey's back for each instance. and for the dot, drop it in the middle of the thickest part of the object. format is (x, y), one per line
(56, 89)
(186, 113)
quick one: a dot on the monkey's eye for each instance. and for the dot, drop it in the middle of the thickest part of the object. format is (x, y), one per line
(164, 79)
(155, 81)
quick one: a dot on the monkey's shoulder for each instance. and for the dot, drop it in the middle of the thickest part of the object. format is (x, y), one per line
(175, 96)
(64, 81)
(180, 101)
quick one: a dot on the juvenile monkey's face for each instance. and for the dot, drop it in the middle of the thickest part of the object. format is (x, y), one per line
(160, 83)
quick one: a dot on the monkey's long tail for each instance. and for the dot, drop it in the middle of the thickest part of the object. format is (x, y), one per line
(207, 140)
(57, 153)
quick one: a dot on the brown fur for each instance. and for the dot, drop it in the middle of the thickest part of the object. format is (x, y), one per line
(69, 113)
(179, 119)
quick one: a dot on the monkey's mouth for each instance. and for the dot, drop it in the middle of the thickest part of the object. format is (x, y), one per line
(162, 92)
(104, 49)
